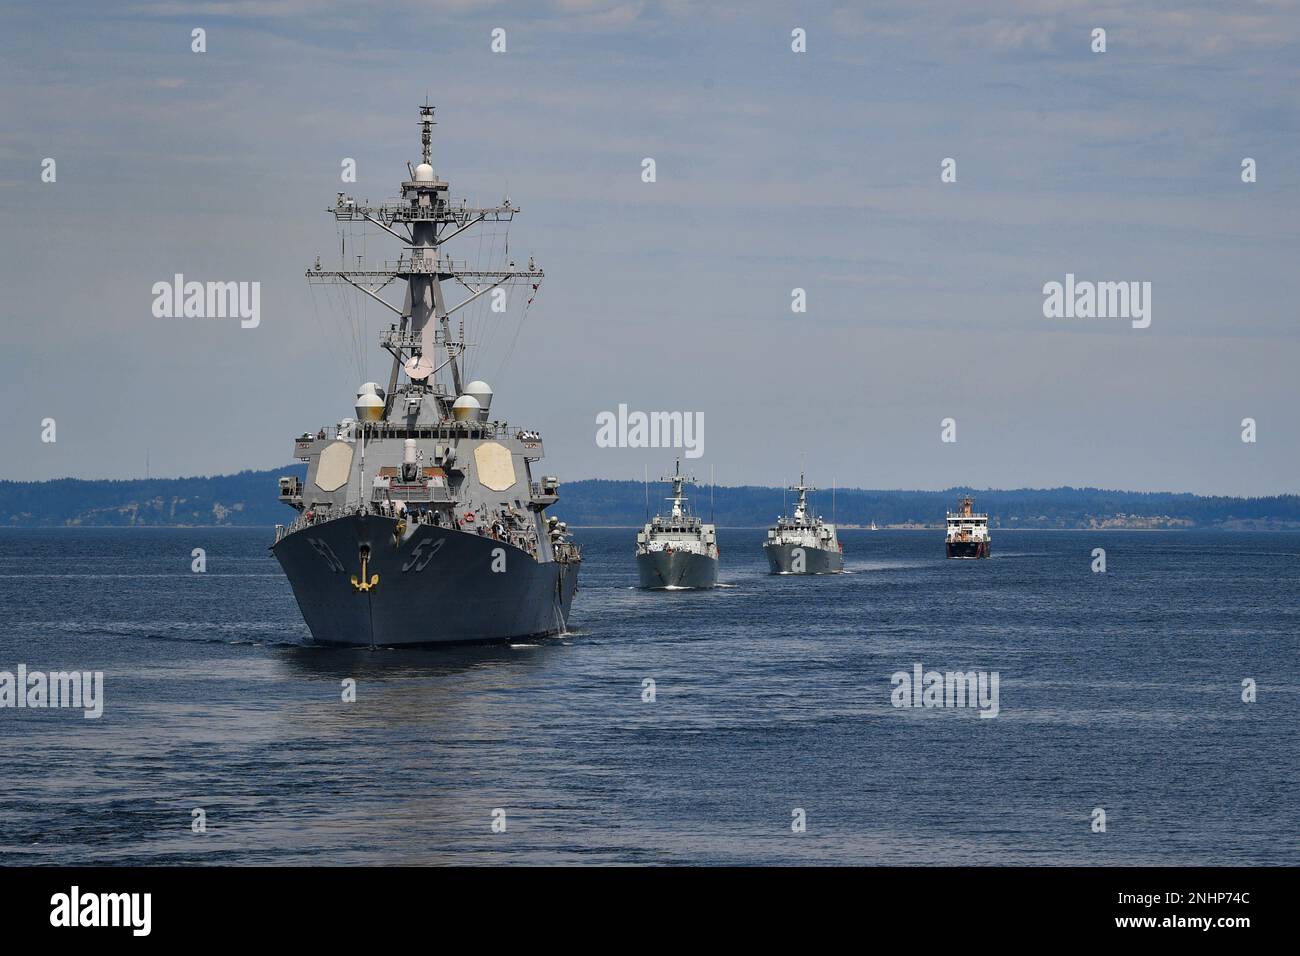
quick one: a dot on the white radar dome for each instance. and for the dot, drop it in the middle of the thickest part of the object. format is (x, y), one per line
(424, 173)
(482, 393)
(370, 407)
(465, 409)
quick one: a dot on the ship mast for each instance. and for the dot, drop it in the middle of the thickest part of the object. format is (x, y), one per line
(423, 220)
(801, 509)
(678, 481)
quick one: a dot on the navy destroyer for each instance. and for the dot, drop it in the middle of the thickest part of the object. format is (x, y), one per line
(968, 533)
(677, 550)
(420, 521)
(802, 544)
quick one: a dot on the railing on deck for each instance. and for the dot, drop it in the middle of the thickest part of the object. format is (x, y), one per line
(309, 518)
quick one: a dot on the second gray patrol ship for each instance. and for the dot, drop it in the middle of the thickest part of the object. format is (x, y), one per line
(677, 550)
(802, 544)
(419, 521)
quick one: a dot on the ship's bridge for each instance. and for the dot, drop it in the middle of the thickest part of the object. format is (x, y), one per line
(686, 523)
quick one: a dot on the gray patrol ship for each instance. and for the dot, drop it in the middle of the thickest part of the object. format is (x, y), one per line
(419, 520)
(677, 551)
(802, 544)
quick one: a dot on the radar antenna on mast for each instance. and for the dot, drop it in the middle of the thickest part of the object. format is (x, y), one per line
(427, 122)
(423, 342)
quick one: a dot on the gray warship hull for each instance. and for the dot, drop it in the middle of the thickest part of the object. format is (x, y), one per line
(437, 586)
(677, 569)
(782, 559)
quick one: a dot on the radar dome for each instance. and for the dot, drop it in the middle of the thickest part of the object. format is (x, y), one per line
(465, 409)
(370, 388)
(482, 393)
(370, 407)
(424, 173)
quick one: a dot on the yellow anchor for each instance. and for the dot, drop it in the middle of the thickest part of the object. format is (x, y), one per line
(363, 585)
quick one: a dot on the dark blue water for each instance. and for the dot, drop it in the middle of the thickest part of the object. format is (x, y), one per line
(1119, 690)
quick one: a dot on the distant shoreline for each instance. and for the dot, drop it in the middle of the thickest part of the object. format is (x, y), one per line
(251, 499)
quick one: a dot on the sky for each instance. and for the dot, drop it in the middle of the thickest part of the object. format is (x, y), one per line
(775, 170)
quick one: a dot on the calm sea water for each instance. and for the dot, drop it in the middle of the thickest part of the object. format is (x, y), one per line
(1119, 690)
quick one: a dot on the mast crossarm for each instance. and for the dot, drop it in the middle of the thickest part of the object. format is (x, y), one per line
(503, 274)
(486, 288)
(456, 232)
(347, 277)
(405, 237)
(462, 216)
(406, 272)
